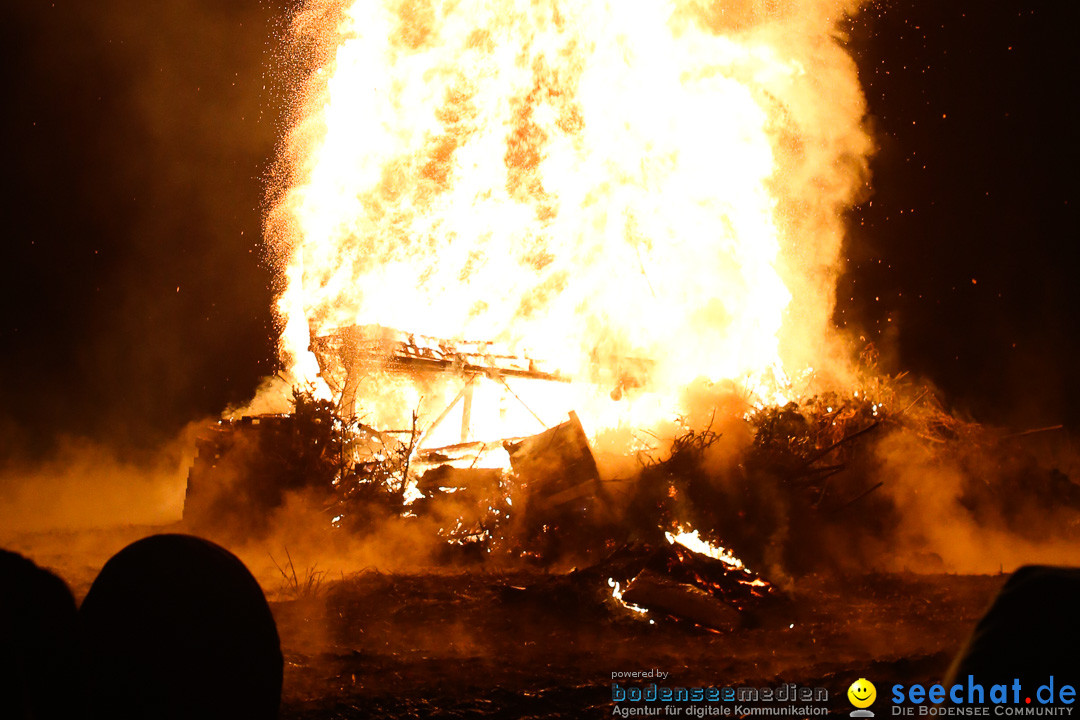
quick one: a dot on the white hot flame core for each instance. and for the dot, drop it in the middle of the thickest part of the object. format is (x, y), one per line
(639, 194)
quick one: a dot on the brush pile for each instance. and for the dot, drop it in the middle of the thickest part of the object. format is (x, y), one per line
(814, 488)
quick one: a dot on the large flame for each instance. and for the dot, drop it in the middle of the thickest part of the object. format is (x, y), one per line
(641, 194)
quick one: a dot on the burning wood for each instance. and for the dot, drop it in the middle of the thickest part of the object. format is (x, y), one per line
(783, 506)
(556, 466)
(700, 583)
(347, 355)
(548, 502)
(662, 594)
(557, 495)
(361, 348)
(245, 469)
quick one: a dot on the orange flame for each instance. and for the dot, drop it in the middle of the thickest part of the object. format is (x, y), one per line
(691, 540)
(641, 194)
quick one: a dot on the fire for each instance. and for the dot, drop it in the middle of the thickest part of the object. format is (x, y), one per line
(691, 540)
(617, 594)
(639, 194)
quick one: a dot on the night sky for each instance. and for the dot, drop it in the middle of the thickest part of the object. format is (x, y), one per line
(966, 245)
(140, 137)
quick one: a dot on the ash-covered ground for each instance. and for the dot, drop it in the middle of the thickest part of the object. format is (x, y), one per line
(534, 645)
(528, 643)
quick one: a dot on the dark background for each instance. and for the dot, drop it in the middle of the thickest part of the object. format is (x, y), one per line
(967, 243)
(136, 296)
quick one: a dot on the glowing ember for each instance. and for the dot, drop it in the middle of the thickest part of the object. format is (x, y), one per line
(616, 592)
(633, 192)
(692, 541)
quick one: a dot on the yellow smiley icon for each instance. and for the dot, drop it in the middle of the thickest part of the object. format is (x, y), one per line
(862, 693)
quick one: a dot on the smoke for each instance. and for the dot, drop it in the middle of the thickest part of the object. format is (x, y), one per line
(980, 503)
(75, 510)
(299, 534)
(86, 485)
(72, 511)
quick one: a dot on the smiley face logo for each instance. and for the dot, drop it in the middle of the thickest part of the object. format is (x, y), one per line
(862, 693)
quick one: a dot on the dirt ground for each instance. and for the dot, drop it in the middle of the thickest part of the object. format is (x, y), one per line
(530, 644)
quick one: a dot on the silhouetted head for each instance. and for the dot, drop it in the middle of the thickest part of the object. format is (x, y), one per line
(176, 627)
(39, 661)
(1030, 632)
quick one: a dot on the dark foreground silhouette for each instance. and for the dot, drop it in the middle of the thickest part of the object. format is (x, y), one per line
(176, 627)
(39, 656)
(1031, 632)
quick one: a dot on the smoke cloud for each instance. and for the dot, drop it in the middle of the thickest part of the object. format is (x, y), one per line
(983, 502)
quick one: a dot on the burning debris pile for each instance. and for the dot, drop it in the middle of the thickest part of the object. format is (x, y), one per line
(617, 202)
(809, 492)
(538, 499)
(636, 212)
(549, 495)
(549, 506)
(349, 356)
(783, 499)
(840, 481)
